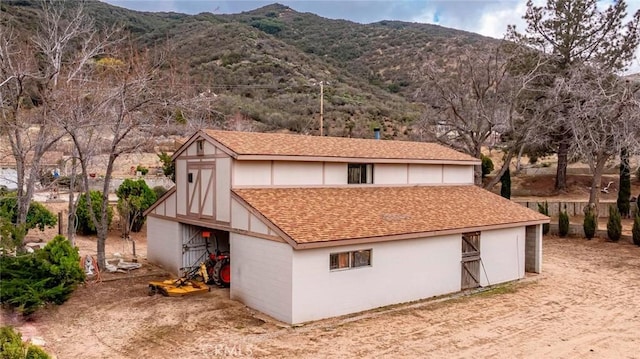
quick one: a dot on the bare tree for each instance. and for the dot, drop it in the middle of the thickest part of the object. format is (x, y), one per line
(24, 113)
(114, 114)
(577, 32)
(484, 97)
(603, 118)
(36, 73)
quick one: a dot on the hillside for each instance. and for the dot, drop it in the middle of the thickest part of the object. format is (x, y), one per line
(264, 64)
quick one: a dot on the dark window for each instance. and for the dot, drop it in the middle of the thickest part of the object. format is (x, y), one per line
(190, 177)
(353, 259)
(200, 147)
(359, 173)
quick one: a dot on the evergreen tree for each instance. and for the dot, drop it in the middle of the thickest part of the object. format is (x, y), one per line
(544, 209)
(614, 224)
(49, 275)
(505, 181)
(635, 231)
(590, 224)
(563, 223)
(624, 191)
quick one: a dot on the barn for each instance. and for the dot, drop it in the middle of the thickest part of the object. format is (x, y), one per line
(324, 226)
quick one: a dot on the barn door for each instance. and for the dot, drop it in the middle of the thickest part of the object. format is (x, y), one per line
(194, 246)
(470, 260)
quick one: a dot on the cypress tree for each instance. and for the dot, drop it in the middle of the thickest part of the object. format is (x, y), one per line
(624, 191)
(614, 224)
(590, 224)
(563, 222)
(505, 181)
(635, 231)
(544, 209)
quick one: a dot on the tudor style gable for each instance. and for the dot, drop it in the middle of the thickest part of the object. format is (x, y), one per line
(203, 182)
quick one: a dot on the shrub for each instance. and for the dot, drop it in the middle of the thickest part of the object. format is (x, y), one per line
(168, 166)
(143, 170)
(159, 191)
(134, 197)
(487, 165)
(505, 181)
(544, 209)
(614, 224)
(85, 224)
(590, 224)
(49, 275)
(38, 216)
(635, 231)
(563, 223)
(12, 346)
(11, 234)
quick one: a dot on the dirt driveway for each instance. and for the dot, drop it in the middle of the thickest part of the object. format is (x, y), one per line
(585, 304)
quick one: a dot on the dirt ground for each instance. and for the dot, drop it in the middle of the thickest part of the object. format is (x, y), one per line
(582, 305)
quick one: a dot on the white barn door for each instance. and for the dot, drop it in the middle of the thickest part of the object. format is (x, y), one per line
(194, 247)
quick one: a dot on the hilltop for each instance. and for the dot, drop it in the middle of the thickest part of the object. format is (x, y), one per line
(264, 65)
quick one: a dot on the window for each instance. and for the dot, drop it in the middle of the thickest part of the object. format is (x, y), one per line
(359, 173)
(353, 259)
(190, 177)
(200, 147)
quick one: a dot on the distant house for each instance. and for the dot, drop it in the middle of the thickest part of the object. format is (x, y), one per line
(324, 226)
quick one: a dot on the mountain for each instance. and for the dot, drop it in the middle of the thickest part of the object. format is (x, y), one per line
(263, 64)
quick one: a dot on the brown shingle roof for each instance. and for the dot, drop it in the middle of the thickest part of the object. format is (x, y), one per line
(311, 215)
(278, 144)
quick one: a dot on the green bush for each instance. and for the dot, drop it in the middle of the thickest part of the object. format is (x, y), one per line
(38, 216)
(85, 224)
(590, 224)
(12, 346)
(635, 231)
(544, 209)
(134, 197)
(168, 166)
(159, 191)
(11, 234)
(563, 223)
(49, 275)
(614, 224)
(143, 170)
(487, 165)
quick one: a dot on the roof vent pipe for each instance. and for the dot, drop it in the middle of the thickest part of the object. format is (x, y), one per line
(376, 133)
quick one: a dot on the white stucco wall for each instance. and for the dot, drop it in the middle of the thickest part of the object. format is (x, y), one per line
(170, 206)
(384, 173)
(261, 275)
(223, 189)
(164, 244)
(181, 186)
(454, 174)
(335, 173)
(502, 253)
(239, 216)
(297, 173)
(251, 173)
(425, 174)
(401, 271)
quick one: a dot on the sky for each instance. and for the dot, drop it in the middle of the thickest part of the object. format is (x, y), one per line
(485, 17)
